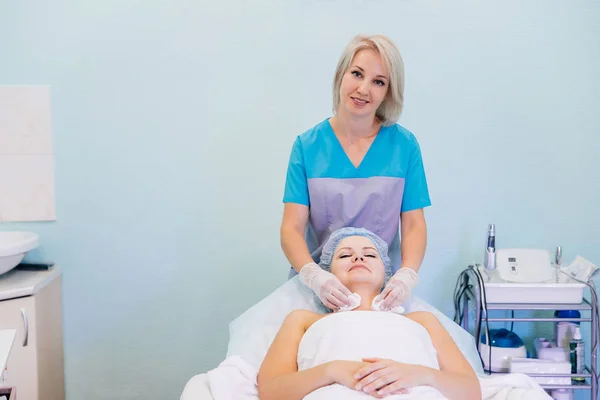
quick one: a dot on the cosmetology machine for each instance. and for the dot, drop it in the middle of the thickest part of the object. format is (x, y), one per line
(522, 279)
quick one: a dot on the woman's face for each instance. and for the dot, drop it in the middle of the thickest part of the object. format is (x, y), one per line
(356, 261)
(364, 85)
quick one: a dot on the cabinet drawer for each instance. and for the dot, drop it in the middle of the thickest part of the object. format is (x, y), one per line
(21, 371)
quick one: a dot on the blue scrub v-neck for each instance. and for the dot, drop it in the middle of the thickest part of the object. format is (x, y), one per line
(342, 155)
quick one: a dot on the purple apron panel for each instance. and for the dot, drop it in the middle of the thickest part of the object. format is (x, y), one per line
(371, 203)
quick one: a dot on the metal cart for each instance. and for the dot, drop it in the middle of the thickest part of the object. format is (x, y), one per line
(472, 292)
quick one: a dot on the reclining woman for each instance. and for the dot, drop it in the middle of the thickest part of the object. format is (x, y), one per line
(360, 353)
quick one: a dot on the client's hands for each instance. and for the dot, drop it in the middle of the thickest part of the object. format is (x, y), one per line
(398, 288)
(326, 286)
(382, 378)
(343, 372)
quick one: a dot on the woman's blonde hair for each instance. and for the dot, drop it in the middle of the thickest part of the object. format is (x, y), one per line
(390, 109)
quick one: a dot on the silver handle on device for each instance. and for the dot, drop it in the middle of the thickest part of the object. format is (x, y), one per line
(26, 325)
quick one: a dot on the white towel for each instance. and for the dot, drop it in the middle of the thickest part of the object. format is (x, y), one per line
(339, 337)
(511, 387)
(364, 334)
(233, 379)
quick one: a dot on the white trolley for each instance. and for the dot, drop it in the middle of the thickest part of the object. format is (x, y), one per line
(469, 290)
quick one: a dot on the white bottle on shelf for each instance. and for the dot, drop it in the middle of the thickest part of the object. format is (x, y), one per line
(577, 355)
(562, 394)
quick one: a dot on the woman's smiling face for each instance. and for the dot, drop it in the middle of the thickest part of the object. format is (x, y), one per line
(364, 85)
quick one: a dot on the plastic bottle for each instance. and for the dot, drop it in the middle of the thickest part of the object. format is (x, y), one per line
(577, 355)
(562, 394)
(563, 330)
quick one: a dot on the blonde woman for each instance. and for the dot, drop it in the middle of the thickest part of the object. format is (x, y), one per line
(358, 168)
(359, 353)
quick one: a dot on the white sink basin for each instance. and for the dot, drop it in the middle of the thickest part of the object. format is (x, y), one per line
(14, 246)
(563, 291)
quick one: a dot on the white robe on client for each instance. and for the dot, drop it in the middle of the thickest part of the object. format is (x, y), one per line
(355, 335)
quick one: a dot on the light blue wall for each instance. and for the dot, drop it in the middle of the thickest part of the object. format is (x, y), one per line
(173, 122)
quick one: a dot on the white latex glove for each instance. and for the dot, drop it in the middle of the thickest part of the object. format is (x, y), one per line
(326, 286)
(398, 289)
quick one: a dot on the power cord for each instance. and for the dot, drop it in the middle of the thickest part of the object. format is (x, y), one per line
(512, 323)
(475, 269)
(460, 288)
(462, 285)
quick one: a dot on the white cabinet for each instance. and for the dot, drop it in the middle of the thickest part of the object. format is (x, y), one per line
(31, 302)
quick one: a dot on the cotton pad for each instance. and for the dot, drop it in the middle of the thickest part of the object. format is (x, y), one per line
(376, 306)
(355, 300)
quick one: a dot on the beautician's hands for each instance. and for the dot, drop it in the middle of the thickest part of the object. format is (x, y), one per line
(398, 288)
(326, 286)
(381, 378)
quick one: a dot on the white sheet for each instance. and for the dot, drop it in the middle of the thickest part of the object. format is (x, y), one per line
(234, 379)
(231, 384)
(511, 387)
(197, 388)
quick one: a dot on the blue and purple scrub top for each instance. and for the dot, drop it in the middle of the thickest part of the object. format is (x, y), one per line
(389, 180)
